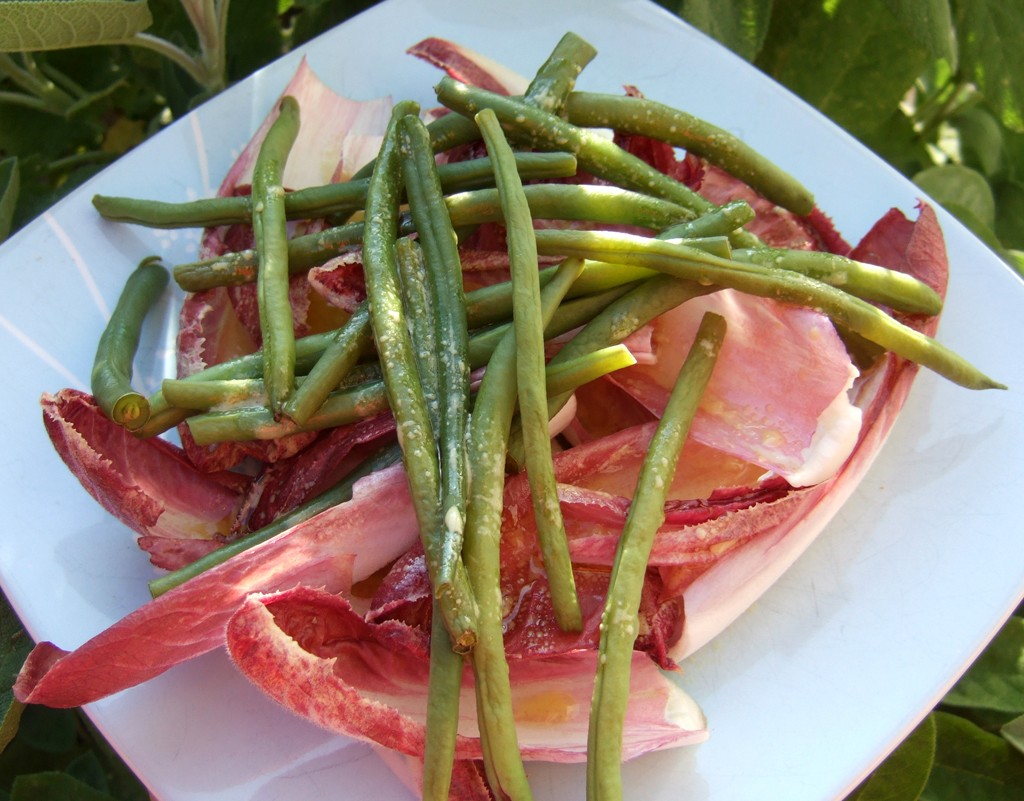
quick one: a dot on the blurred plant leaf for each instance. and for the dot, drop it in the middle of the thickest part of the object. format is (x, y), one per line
(903, 775)
(995, 681)
(14, 648)
(9, 187)
(992, 54)
(930, 23)
(959, 187)
(54, 786)
(972, 764)
(1013, 733)
(740, 25)
(852, 61)
(33, 25)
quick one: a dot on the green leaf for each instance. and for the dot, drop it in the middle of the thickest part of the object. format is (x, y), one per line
(54, 786)
(1013, 733)
(1010, 213)
(53, 731)
(9, 186)
(981, 139)
(903, 775)
(992, 54)
(14, 648)
(740, 25)
(930, 23)
(852, 61)
(31, 25)
(972, 765)
(956, 186)
(996, 679)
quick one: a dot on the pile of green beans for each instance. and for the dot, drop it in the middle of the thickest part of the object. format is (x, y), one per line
(408, 349)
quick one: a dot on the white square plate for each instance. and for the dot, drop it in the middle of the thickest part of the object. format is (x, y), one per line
(804, 693)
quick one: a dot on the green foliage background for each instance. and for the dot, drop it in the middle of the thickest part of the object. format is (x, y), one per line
(935, 87)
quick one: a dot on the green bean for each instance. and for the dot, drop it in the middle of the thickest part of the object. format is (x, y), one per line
(446, 132)
(444, 686)
(445, 675)
(111, 379)
(597, 155)
(412, 273)
(845, 310)
(556, 77)
(401, 382)
(448, 305)
(892, 288)
(353, 339)
(553, 81)
(592, 203)
(491, 420)
(530, 361)
(718, 222)
(271, 235)
(484, 306)
(201, 395)
(548, 201)
(617, 320)
(352, 403)
(340, 493)
(340, 198)
(619, 619)
(580, 370)
(637, 115)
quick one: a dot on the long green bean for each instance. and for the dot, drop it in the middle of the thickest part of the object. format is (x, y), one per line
(271, 235)
(111, 378)
(611, 325)
(846, 310)
(892, 288)
(638, 115)
(318, 201)
(401, 382)
(484, 307)
(596, 155)
(603, 204)
(358, 401)
(445, 675)
(530, 361)
(619, 621)
(492, 416)
(441, 257)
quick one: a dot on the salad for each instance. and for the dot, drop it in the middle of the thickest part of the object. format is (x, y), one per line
(333, 606)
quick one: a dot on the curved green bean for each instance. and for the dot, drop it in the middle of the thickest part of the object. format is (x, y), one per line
(638, 115)
(530, 363)
(401, 382)
(603, 204)
(844, 309)
(111, 378)
(438, 240)
(619, 621)
(489, 427)
(271, 235)
(891, 288)
(340, 198)
(596, 155)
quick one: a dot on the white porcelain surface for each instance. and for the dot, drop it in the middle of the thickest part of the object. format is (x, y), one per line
(804, 693)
